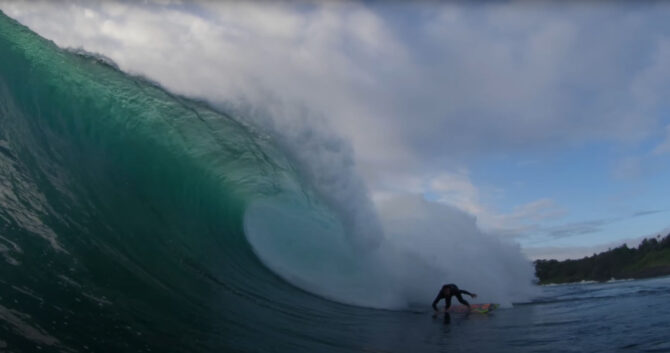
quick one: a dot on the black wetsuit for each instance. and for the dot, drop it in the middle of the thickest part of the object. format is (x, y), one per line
(453, 291)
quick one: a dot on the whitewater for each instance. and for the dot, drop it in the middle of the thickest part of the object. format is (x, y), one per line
(136, 219)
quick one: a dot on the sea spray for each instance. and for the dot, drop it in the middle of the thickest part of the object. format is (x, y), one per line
(449, 242)
(393, 254)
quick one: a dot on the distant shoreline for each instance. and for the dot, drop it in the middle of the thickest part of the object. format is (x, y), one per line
(650, 259)
(611, 281)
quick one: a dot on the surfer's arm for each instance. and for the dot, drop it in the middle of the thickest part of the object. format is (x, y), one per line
(468, 293)
(437, 299)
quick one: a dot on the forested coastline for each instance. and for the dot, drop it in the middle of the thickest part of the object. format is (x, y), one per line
(650, 259)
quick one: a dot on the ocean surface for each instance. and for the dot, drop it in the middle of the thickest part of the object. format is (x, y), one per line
(125, 226)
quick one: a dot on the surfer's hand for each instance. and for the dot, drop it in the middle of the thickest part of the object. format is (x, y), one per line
(474, 295)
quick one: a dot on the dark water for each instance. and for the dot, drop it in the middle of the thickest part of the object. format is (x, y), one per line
(629, 316)
(622, 316)
(122, 230)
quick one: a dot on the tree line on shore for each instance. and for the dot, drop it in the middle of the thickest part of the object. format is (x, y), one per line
(650, 259)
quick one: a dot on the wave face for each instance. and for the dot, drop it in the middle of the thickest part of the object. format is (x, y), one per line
(124, 210)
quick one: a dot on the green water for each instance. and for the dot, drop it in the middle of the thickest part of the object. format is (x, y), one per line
(122, 213)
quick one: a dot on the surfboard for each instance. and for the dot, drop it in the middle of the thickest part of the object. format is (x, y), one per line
(476, 308)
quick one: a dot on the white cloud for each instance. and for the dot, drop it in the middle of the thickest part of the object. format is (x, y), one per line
(456, 189)
(524, 220)
(539, 210)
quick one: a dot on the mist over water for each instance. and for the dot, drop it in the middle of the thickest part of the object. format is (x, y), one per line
(394, 254)
(449, 242)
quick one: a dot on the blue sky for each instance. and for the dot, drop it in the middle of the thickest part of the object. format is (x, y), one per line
(591, 202)
(548, 122)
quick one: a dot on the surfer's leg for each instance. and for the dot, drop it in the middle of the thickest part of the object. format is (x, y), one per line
(447, 302)
(463, 301)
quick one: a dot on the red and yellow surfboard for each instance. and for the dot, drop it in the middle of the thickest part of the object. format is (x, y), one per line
(475, 308)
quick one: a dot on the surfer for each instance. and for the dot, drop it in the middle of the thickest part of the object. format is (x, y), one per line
(449, 290)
